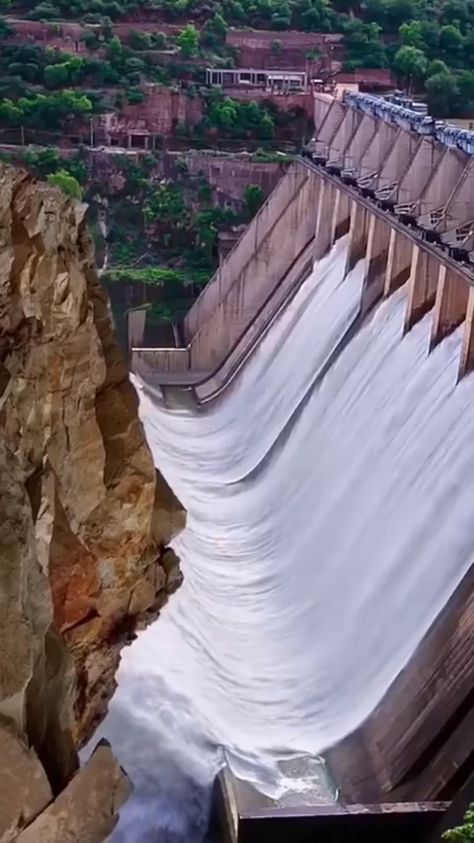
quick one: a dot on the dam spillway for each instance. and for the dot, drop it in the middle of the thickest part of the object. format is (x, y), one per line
(303, 596)
(329, 543)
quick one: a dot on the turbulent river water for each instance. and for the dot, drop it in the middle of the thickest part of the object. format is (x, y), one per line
(329, 519)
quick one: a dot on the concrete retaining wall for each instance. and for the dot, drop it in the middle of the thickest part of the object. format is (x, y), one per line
(250, 242)
(258, 279)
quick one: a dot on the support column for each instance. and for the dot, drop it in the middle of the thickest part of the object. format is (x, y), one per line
(467, 352)
(323, 220)
(341, 215)
(358, 234)
(422, 285)
(377, 251)
(399, 257)
(450, 307)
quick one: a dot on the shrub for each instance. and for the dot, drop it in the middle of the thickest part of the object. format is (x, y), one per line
(67, 183)
(463, 833)
(254, 197)
(135, 96)
(139, 40)
(188, 41)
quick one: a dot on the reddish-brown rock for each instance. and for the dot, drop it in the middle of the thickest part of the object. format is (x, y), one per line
(87, 810)
(84, 519)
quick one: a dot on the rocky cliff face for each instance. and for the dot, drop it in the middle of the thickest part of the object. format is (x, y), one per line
(84, 519)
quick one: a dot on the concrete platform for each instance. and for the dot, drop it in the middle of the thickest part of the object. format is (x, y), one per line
(243, 815)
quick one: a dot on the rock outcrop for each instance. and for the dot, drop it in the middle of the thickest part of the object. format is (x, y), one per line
(84, 518)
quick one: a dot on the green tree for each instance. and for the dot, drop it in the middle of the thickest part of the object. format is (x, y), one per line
(158, 40)
(52, 110)
(281, 17)
(134, 65)
(91, 40)
(266, 129)
(456, 11)
(410, 64)
(465, 84)
(139, 40)
(213, 33)
(188, 41)
(436, 66)
(167, 205)
(451, 44)
(67, 183)
(135, 96)
(56, 75)
(462, 833)
(44, 11)
(398, 11)
(115, 49)
(411, 34)
(219, 25)
(254, 197)
(314, 15)
(450, 38)
(5, 28)
(363, 45)
(75, 68)
(10, 113)
(42, 161)
(442, 95)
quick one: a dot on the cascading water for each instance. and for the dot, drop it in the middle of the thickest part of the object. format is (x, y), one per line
(329, 520)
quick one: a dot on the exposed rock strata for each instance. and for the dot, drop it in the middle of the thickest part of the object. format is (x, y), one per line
(84, 520)
(86, 810)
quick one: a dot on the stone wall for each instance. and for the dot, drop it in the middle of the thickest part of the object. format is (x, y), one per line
(257, 47)
(285, 102)
(67, 35)
(162, 110)
(231, 175)
(63, 36)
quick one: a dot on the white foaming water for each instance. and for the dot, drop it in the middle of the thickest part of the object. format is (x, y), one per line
(328, 523)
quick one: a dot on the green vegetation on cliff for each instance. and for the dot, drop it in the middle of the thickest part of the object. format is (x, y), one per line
(48, 111)
(67, 183)
(428, 47)
(44, 88)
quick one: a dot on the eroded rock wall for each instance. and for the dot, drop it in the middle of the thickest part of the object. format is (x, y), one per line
(84, 519)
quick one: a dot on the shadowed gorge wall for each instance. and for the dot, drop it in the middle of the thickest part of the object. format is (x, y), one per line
(84, 518)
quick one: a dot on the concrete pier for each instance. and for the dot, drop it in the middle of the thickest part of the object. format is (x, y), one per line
(467, 354)
(378, 244)
(343, 138)
(450, 307)
(397, 161)
(422, 282)
(243, 815)
(398, 265)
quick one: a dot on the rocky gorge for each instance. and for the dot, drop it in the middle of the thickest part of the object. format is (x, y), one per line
(85, 521)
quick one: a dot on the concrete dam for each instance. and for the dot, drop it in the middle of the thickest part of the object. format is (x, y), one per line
(316, 422)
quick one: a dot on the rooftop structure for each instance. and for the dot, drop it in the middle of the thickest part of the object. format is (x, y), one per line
(270, 80)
